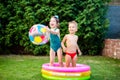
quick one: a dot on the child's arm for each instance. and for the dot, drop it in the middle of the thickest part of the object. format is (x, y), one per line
(63, 42)
(78, 49)
(57, 31)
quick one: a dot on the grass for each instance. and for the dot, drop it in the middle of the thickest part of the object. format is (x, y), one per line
(21, 67)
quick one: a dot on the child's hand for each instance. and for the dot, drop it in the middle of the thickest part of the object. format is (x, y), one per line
(64, 49)
(79, 52)
(47, 28)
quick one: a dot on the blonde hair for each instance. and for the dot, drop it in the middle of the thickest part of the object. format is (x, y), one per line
(73, 22)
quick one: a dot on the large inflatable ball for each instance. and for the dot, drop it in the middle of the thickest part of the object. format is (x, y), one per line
(38, 34)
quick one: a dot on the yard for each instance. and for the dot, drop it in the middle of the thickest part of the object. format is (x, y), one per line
(27, 67)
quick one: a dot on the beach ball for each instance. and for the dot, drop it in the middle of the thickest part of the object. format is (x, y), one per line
(38, 34)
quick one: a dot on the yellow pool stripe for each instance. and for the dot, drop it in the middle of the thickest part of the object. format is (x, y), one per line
(65, 74)
(68, 78)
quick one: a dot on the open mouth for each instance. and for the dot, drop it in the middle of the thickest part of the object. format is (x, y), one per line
(52, 24)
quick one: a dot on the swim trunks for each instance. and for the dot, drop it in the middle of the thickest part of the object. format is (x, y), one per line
(72, 55)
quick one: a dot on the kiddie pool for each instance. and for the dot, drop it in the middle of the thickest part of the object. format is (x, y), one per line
(80, 72)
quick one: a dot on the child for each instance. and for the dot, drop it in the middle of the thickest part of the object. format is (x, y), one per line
(71, 45)
(55, 43)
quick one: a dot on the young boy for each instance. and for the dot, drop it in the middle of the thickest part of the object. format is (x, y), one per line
(71, 45)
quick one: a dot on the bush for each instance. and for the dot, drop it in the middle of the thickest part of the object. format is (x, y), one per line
(17, 16)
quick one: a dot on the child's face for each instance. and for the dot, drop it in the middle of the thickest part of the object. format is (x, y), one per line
(53, 23)
(72, 28)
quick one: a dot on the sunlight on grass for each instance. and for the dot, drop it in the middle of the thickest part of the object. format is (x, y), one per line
(18, 67)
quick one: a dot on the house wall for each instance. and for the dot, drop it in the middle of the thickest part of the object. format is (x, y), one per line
(112, 48)
(115, 2)
(112, 40)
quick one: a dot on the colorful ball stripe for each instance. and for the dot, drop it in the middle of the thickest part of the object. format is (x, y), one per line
(38, 34)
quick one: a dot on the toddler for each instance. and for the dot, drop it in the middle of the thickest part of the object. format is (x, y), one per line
(71, 45)
(55, 43)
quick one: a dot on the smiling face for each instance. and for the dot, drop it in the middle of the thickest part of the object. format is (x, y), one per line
(53, 22)
(72, 27)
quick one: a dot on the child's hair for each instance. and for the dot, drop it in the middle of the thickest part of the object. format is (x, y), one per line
(73, 22)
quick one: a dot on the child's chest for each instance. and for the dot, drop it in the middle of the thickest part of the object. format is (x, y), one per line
(71, 39)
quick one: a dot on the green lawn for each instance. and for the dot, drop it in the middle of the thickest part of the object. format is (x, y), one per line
(18, 67)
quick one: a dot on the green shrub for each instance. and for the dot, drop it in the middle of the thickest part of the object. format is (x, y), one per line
(17, 16)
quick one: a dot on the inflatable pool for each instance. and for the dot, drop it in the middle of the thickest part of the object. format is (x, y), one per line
(80, 72)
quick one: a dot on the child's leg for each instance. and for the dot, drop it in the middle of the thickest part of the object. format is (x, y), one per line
(59, 54)
(52, 57)
(74, 60)
(67, 60)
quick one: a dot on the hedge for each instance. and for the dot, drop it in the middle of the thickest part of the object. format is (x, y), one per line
(17, 16)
